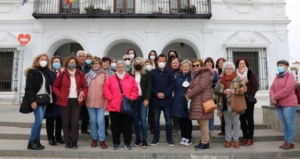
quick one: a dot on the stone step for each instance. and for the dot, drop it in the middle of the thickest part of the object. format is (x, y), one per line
(260, 150)
(162, 125)
(261, 135)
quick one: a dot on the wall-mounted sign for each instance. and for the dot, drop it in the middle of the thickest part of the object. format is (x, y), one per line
(24, 39)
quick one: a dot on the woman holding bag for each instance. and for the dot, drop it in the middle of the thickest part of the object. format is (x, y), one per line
(199, 92)
(114, 98)
(229, 84)
(37, 95)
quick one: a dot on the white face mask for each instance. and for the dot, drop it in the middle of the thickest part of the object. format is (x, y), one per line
(152, 57)
(131, 56)
(161, 65)
(127, 62)
(149, 67)
(43, 63)
(113, 65)
(185, 84)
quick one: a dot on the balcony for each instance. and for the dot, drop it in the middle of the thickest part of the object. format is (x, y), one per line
(163, 9)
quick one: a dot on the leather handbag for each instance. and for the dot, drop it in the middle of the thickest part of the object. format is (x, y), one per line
(42, 99)
(209, 106)
(238, 103)
(127, 105)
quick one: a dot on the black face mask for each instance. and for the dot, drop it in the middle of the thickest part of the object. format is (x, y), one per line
(171, 57)
(138, 67)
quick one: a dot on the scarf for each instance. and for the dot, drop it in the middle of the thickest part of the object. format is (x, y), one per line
(283, 73)
(225, 80)
(120, 76)
(242, 74)
(90, 75)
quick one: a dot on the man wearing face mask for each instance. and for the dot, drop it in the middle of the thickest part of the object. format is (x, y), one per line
(126, 59)
(162, 87)
(84, 67)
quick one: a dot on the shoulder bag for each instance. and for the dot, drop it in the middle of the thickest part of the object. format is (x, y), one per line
(127, 105)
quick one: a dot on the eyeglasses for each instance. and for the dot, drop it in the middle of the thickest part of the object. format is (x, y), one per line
(196, 65)
(228, 68)
(126, 59)
(120, 67)
(96, 63)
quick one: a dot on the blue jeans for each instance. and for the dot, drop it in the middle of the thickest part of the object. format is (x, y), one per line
(140, 122)
(39, 113)
(211, 123)
(167, 114)
(97, 123)
(287, 117)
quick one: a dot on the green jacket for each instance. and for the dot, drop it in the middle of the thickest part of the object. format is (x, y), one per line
(219, 89)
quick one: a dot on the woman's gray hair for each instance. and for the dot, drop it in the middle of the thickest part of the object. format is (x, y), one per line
(225, 64)
(184, 62)
(121, 62)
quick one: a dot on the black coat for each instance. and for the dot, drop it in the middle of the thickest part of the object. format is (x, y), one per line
(34, 83)
(252, 85)
(86, 68)
(146, 85)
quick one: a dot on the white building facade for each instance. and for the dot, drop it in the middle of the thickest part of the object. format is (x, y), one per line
(255, 29)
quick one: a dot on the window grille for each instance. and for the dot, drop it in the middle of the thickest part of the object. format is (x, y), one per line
(9, 60)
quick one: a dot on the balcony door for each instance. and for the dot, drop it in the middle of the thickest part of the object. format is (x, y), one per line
(124, 6)
(176, 6)
(71, 8)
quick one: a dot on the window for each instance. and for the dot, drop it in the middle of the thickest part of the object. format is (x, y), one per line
(257, 59)
(296, 72)
(9, 69)
(178, 6)
(124, 6)
(69, 8)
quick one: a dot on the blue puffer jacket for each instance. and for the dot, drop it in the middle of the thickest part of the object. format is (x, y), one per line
(162, 82)
(180, 104)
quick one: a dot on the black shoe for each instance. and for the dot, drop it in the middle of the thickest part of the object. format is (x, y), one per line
(68, 145)
(52, 142)
(39, 143)
(144, 144)
(137, 143)
(74, 145)
(61, 141)
(32, 145)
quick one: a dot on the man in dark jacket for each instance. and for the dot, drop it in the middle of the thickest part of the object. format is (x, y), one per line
(162, 87)
(84, 68)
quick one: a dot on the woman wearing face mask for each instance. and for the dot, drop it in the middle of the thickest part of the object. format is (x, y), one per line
(149, 65)
(247, 119)
(171, 55)
(114, 98)
(37, 85)
(153, 57)
(179, 109)
(88, 60)
(283, 97)
(132, 54)
(70, 88)
(113, 64)
(52, 114)
(144, 83)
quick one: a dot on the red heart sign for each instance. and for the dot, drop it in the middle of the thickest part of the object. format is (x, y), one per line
(24, 39)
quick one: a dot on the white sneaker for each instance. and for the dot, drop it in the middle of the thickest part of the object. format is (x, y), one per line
(187, 142)
(212, 134)
(183, 141)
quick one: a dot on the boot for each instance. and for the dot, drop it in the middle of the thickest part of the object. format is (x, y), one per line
(244, 141)
(94, 143)
(249, 142)
(288, 146)
(32, 145)
(282, 146)
(236, 144)
(103, 145)
(39, 143)
(227, 144)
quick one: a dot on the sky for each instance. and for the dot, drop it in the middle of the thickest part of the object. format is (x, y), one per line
(293, 13)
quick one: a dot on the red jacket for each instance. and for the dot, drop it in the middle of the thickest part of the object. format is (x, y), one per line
(112, 91)
(283, 90)
(61, 87)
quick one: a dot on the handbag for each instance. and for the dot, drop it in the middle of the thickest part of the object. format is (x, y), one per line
(252, 100)
(238, 103)
(127, 105)
(209, 106)
(42, 99)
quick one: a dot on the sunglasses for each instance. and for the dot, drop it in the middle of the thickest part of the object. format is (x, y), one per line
(196, 65)
(126, 59)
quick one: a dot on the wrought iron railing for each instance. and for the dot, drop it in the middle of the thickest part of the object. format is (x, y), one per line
(200, 9)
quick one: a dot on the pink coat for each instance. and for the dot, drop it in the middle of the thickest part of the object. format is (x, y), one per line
(95, 98)
(113, 94)
(283, 90)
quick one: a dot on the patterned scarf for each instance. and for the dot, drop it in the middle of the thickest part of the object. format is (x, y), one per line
(242, 74)
(225, 80)
(91, 74)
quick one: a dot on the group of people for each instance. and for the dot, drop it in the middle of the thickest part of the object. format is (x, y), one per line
(160, 83)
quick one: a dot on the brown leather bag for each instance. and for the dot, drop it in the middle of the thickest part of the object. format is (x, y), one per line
(209, 106)
(238, 103)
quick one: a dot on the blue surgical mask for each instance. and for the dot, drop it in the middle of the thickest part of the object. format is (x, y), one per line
(56, 66)
(280, 69)
(88, 61)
